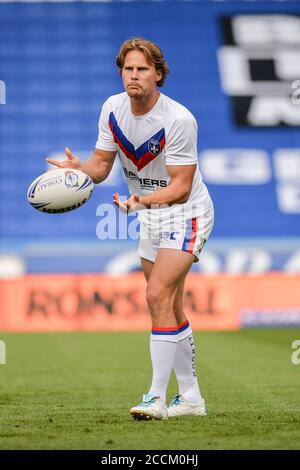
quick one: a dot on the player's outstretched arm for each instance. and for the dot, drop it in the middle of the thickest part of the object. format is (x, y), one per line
(178, 189)
(97, 167)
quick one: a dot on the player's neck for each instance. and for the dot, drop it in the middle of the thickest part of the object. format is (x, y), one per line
(141, 106)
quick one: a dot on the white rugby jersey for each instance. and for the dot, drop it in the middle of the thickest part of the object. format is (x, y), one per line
(166, 135)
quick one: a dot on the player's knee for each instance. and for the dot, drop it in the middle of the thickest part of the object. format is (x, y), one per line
(156, 296)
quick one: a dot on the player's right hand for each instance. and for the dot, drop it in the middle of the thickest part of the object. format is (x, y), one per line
(70, 162)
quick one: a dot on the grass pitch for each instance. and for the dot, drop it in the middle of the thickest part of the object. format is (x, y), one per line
(73, 391)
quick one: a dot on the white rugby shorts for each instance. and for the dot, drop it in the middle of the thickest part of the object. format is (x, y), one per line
(184, 234)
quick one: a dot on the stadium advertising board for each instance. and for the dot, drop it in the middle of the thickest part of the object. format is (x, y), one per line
(102, 303)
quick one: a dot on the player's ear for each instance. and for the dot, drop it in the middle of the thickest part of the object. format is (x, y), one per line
(158, 75)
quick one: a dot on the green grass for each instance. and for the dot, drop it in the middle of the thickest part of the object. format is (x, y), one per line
(73, 391)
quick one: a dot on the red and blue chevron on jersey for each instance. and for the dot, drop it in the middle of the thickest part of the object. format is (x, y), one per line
(148, 144)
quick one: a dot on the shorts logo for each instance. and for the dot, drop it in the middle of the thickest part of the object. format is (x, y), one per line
(168, 235)
(154, 146)
(71, 179)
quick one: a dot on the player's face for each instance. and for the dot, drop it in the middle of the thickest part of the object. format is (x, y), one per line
(139, 78)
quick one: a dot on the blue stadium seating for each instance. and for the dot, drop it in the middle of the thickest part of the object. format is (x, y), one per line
(57, 60)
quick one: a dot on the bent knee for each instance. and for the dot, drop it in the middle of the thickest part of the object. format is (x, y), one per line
(158, 294)
(155, 294)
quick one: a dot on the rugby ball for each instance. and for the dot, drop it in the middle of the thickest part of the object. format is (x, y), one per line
(60, 190)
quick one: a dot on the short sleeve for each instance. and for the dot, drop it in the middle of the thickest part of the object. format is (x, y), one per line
(105, 138)
(181, 148)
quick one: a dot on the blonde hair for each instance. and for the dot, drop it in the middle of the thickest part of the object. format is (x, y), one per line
(152, 52)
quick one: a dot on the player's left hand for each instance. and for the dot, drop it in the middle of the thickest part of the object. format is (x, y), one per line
(132, 204)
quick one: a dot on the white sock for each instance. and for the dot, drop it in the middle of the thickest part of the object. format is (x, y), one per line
(184, 365)
(163, 345)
